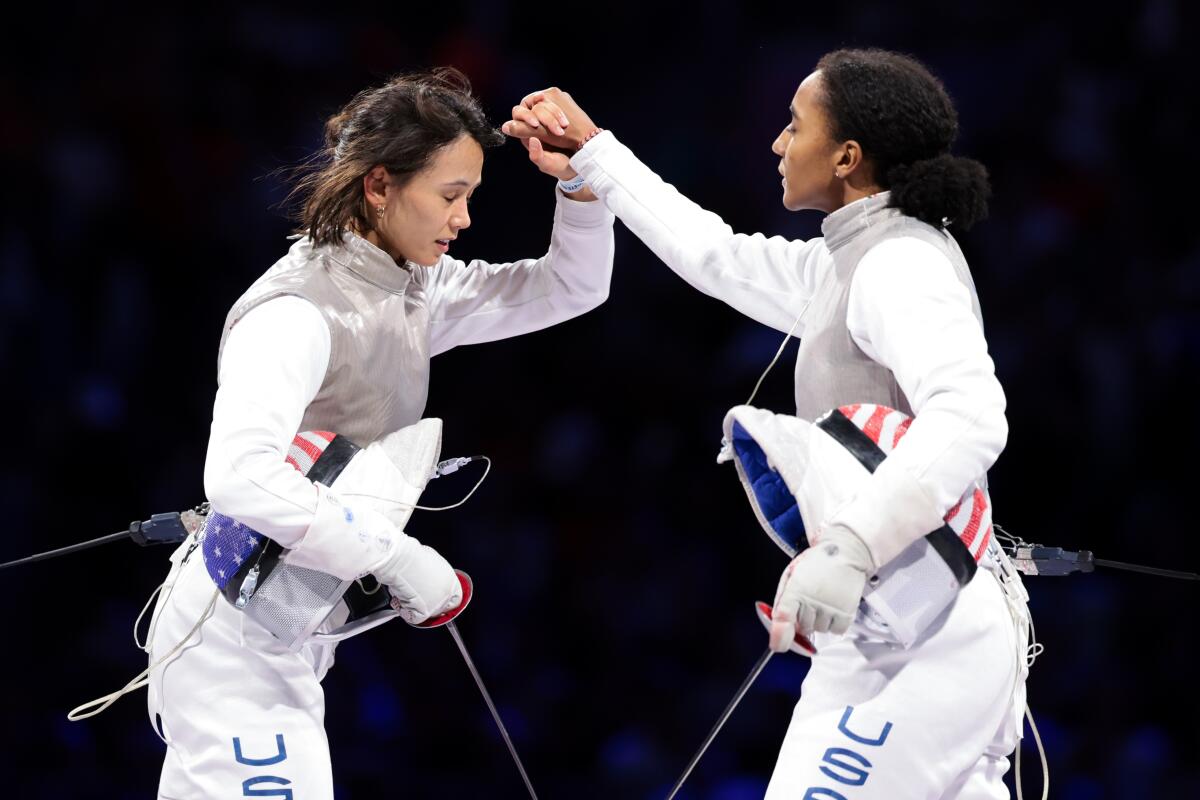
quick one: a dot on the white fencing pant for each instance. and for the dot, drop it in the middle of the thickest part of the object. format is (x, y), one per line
(936, 721)
(240, 715)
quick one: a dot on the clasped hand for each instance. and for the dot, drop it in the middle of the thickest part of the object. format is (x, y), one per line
(551, 126)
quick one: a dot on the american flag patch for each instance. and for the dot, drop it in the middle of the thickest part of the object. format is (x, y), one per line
(228, 544)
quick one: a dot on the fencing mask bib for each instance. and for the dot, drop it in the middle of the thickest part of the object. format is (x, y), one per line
(290, 601)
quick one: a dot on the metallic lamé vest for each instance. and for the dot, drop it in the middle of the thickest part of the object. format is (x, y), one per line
(377, 380)
(831, 370)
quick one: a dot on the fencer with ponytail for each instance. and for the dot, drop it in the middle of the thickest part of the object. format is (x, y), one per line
(906, 124)
(942, 191)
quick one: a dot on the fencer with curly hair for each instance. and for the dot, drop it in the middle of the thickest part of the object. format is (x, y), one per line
(917, 686)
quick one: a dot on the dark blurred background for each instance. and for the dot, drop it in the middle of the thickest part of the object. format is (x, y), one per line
(616, 564)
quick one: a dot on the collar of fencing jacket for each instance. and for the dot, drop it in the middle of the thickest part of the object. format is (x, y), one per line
(369, 263)
(840, 227)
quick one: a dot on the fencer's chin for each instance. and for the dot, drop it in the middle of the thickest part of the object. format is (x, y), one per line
(789, 203)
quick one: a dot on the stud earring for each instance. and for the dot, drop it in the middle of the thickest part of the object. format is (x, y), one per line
(379, 209)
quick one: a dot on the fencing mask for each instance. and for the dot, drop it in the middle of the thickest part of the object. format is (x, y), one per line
(290, 601)
(797, 473)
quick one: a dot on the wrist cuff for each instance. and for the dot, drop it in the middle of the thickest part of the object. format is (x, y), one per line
(343, 541)
(573, 185)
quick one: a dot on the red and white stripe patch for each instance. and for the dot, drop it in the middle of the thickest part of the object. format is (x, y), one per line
(971, 516)
(874, 424)
(984, 541)
(306, 448)
(971, 519)
(884, 426)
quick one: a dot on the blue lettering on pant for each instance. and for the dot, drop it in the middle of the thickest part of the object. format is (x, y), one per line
(248, 789)
(264, 785)
(846, 765)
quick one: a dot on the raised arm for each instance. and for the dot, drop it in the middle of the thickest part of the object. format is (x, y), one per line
(769, 279)
(481, 302)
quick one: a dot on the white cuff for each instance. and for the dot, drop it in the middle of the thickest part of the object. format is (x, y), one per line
(596, 146)
(343, 541)
(581, 213)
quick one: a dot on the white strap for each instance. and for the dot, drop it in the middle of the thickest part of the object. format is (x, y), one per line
(143, 677)
(1041, 753)
(145, 646)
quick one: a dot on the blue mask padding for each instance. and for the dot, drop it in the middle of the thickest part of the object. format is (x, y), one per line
(774, 499)
(227, 545)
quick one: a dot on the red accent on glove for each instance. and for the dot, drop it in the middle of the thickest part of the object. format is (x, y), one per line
(468, 590)
(800, 644)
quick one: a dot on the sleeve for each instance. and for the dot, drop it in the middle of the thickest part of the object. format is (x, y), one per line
(767, 279)
(908, 311)
(482, 302)
(272, 367)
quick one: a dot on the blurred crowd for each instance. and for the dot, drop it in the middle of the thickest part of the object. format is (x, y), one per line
(616, 565)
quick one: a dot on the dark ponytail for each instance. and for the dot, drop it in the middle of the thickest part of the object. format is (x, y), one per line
(943, 190)
(905, 122)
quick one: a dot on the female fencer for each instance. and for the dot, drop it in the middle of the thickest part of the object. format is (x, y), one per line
(337, 336)
(922, 699)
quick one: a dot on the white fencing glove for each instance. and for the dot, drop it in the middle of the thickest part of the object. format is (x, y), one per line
(351, 541)
(422, 582)
(820, 590)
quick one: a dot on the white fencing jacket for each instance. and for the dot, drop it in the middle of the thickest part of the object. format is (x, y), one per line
(276, 357)
(907, 310)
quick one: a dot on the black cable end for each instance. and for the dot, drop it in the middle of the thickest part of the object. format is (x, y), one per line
(159, 529)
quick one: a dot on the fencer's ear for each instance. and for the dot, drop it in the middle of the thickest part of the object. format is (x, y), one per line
(375, 185)
(849, 159)
(847, 156)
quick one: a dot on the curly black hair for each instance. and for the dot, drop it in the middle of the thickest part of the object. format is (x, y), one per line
(903, 118)
(401, 125)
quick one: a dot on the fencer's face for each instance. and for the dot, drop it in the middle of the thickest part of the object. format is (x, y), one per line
(422, 217)
(807, 152)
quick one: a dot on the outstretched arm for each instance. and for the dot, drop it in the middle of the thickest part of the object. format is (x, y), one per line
(482, 302)
(768, 279)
